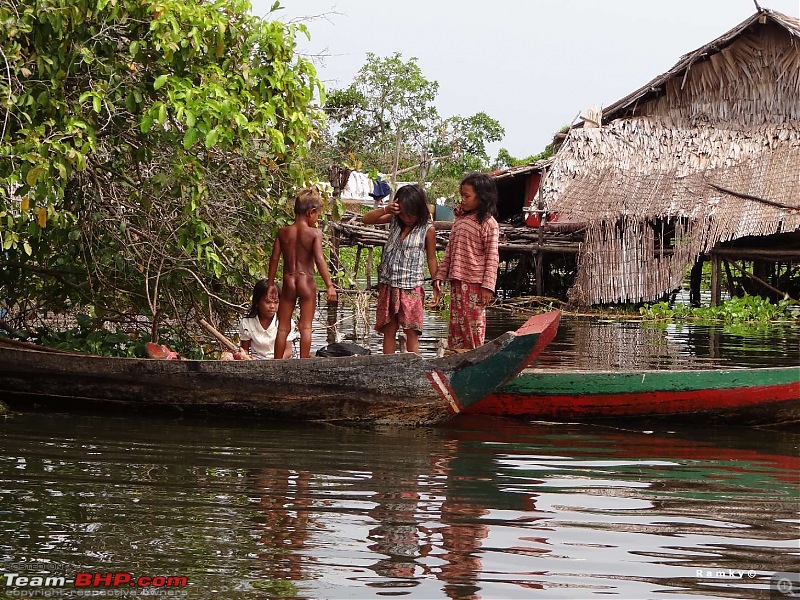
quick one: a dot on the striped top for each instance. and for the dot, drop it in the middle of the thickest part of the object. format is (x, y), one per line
(403, 261)
(472, 254)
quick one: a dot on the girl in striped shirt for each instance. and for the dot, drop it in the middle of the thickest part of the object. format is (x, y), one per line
(411, 243)
(470, 262)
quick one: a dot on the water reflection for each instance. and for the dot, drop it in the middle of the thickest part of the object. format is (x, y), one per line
(284, 522)
(601, 344)
(480, 509)
(596, 343)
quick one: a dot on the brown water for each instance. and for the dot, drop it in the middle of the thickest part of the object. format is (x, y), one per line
(481, 508)
(615, 344)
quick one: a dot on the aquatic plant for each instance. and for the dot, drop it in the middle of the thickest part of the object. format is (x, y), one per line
(736, 310)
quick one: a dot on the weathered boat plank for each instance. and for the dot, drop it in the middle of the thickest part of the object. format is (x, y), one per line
(397, 389)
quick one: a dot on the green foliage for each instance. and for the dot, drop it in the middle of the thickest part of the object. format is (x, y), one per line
(85, 337)
(460, 147)
(144, 151)
(391, 96)
(91, 335)
(736, 310)
(388, 95)
(505, 160)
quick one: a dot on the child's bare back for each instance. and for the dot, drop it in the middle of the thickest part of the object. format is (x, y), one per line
(297, 244)
(300, 246)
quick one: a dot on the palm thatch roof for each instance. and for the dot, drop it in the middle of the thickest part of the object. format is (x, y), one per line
(728, 60)
(711, 148)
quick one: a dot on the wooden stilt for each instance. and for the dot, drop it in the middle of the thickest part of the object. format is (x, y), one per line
(695, 278)
(729, 279)
(522, 269)
(538, 254)
(334, 264)
(539, 273)
(716, 293)
(358, 261)
(333, 318)
(369, 268)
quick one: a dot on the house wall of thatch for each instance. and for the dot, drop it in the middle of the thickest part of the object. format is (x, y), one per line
(714, 151)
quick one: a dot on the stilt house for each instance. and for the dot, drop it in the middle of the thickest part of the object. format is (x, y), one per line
(702, 161)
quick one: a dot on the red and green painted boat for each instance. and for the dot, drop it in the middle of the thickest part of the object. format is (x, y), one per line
(744, 396)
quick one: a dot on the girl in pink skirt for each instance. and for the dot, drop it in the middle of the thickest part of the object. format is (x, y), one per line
(411, 244)
(470, 262)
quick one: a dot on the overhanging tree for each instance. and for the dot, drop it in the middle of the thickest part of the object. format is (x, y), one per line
(145, 146)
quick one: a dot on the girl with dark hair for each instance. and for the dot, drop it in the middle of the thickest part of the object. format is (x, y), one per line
(259, 327)
(411, 243)
(470, 262)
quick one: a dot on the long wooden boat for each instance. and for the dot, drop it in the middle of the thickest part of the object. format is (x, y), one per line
(744, 396)
(388, 389)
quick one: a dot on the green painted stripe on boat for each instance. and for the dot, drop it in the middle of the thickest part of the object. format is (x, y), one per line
(473, 384)
(543, 382)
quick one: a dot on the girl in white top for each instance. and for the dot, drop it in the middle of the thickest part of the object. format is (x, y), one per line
(258, 328)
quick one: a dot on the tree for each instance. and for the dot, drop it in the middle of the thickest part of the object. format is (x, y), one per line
(387, 97)
(391, 97)
(505, 160)
(145, 146)
(461, 145)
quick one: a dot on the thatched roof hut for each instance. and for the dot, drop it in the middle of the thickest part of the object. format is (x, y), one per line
(706, 153)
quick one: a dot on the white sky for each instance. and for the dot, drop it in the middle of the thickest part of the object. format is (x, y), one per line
(533, 65)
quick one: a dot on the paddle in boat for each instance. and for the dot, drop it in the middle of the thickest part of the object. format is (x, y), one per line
(743, 396)
(399, 389)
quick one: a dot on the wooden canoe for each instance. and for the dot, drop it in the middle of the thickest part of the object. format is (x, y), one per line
(385, 389)
(746, 396)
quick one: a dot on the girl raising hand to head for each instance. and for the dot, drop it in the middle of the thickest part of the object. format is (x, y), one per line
(410, 245)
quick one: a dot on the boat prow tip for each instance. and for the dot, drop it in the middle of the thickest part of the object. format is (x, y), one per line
(544, 324)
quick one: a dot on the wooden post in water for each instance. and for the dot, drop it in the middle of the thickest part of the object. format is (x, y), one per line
(369, 268)
(334, 264)
(355, 268)
(539, 245)
(729, 280)
(337, 176)
(716, 289)
(333, 319)
(695, 278)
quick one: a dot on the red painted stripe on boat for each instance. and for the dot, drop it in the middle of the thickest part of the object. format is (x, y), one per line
(647, 403)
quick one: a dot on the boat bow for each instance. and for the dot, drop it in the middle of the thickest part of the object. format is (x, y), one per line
(464, 379)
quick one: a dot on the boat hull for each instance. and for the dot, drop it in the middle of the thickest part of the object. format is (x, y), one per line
(756, 396)
(395, 389)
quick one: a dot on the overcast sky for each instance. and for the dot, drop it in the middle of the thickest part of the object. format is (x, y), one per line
(533, 65)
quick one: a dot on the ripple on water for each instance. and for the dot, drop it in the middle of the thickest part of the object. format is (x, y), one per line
(488, 508)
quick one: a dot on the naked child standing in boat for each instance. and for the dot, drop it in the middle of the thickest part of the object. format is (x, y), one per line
(300, 245)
